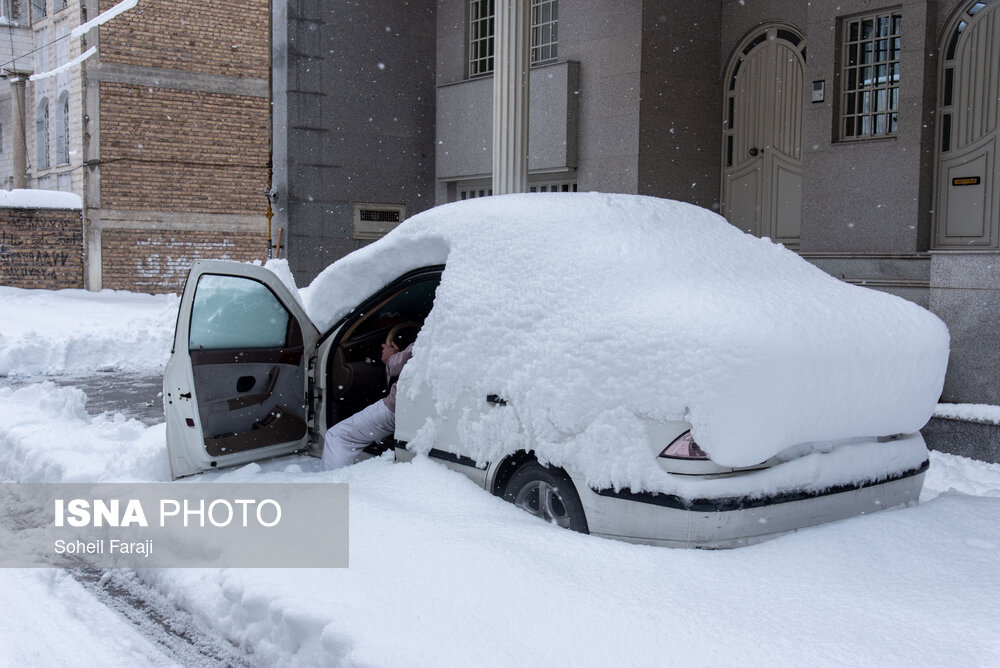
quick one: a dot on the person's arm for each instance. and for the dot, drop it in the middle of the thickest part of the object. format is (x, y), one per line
(398, 360)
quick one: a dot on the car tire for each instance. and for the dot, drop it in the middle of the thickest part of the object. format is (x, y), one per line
(547, 493)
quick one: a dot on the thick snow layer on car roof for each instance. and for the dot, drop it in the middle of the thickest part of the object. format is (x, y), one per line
(591, 313)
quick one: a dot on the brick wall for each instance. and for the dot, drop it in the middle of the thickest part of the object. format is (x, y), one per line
(41, 248)
(182, 151)
(158, 261)
(219, 37)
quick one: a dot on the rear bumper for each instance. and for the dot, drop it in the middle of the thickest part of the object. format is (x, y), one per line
(668, 520)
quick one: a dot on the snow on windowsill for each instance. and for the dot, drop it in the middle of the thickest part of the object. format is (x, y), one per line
(39, 199)
(984, 413)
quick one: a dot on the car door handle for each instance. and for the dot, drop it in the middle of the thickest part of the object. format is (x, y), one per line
(496, 400)
(254, 399)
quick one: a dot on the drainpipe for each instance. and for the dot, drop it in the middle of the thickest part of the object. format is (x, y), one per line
(20, 151)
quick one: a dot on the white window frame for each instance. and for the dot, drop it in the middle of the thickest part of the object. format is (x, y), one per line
(482, 24)
(871, 54)
(544, 30)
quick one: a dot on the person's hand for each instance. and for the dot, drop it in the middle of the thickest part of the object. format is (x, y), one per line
(388, 350)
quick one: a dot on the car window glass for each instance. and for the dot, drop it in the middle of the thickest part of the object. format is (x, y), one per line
(234, 312)
(413, 303)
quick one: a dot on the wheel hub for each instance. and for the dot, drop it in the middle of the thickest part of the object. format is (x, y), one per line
(543, 500)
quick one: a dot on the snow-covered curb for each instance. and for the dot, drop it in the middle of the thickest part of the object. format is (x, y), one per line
(983, 413)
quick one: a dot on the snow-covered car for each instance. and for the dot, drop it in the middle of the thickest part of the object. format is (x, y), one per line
(620, 365)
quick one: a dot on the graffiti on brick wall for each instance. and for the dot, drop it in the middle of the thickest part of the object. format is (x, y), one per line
(40, 251)
(158, 262)
(170, 266)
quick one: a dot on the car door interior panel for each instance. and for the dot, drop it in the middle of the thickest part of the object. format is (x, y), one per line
(267, 411)
(248, 363)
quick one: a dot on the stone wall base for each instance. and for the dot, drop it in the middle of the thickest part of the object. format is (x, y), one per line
(41, 248)
(977, 440)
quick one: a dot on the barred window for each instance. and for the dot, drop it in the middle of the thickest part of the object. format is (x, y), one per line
(544, 33)
(544, 25)
(870, 75)
(481, 13)
(536, 184)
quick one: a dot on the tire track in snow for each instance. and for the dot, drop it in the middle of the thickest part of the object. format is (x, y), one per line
(175, 631)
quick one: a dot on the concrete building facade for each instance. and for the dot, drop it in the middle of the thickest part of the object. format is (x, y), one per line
(353, 123)
(842, 129)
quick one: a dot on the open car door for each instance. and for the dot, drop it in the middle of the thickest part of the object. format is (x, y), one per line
(236, 388)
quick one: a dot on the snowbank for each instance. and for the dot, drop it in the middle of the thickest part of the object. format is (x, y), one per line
(449, 572)
(49, 619)
(590, 313)
(75, 331)
(46, 435)
(39, 199)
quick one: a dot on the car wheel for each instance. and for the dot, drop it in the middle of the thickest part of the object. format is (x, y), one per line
(547, 493)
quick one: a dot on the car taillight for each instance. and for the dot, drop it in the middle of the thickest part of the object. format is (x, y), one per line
(684, 447)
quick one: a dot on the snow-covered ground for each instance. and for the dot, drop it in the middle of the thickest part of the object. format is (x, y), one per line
(442, 574)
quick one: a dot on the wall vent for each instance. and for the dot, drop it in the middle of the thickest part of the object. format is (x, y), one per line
(374, 221)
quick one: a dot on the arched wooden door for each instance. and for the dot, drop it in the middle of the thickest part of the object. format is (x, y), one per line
(762, 141)
(967, 181)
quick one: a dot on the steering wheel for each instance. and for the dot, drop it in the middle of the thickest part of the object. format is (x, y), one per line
(399, 327)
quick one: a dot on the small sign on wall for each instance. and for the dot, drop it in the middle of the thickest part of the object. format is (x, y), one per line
(965, 181)
(819, 91)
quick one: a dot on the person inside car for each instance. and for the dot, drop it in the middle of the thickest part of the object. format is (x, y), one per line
(345, 440)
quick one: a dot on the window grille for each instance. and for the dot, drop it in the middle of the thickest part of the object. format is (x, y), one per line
(870, 76)
(481, 13)
(544, 26)
(373, 221)
(562, 187)
(473, 190)
(544, 33)
(471, 193)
